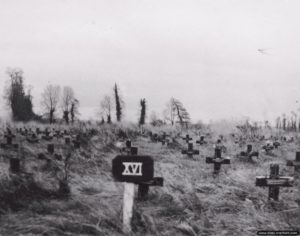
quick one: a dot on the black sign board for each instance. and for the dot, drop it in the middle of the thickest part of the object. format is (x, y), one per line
(133, 169)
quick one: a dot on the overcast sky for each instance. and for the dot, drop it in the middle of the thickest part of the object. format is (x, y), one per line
(205, 53)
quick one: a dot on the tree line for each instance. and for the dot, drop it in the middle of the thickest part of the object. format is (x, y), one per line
(61, 104)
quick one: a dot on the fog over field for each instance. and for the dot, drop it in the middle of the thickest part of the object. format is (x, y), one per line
(222, 59)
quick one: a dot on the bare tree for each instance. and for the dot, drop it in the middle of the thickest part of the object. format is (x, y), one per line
(106, 107)
(175, 109)
(50, 99)
(169, 113)
(66, 103)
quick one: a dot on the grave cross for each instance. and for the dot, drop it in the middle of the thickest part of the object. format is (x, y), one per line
(187, 138)
(50, 151)
(9, 138)
(47, 135)
(127, 147)
(249, 153)
(201, 141)
(190, 151)
(274, 182)
(217, 160)
(268, 148)
(295, 163)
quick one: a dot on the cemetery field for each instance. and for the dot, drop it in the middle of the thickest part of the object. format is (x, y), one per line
(71, 191)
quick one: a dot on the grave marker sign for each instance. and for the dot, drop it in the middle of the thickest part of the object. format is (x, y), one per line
(133, 168)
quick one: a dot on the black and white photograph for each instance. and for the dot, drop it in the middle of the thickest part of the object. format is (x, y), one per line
(149, 117)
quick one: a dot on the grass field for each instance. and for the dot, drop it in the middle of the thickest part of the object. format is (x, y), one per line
(191, 202)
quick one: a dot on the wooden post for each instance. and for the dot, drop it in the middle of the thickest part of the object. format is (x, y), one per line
(218, 152)
(274, 190)
(50, 148)
(249, 148)
(128, 200)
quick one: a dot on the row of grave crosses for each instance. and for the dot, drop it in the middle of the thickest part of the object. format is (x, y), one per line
(34, 137)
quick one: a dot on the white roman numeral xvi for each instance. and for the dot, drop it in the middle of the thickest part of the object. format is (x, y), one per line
(134, 170)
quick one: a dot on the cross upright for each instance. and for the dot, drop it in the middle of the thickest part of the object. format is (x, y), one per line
(217, 160)
(295, 163)
(187, 138)
(127, 147)
(274, 182)
(190, 151)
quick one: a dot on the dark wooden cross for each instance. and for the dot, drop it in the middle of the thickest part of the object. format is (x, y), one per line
(295, 163)
(249, 153)
(9, 138)
(190, 151)
(187, 138)
(143, 187)
(201, 141)
(274, 182)
(217, 160)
